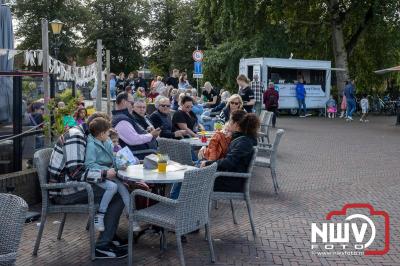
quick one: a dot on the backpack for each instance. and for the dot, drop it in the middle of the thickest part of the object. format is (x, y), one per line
(272, 101)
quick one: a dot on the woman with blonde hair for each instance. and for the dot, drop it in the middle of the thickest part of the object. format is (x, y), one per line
(183, 82)
(211, 96)
(235, 102)
(246, 93)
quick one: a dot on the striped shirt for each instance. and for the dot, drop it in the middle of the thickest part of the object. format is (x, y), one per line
(258, 90)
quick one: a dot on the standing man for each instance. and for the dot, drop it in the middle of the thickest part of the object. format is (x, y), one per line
(301, 97)
(349, 92)
(173, 80)
(271, 99)
(258, 90)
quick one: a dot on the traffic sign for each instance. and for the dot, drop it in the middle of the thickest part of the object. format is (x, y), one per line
(197, 76)
(198, 69)
(198, 55)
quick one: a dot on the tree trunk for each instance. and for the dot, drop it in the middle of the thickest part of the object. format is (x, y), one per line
(339, 49)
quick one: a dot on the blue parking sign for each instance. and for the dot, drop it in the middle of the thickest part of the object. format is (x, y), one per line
(198, 69)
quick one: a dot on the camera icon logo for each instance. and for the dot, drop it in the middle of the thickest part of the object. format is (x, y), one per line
(354, 234)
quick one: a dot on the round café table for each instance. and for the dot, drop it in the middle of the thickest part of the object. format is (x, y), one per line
(174, 174)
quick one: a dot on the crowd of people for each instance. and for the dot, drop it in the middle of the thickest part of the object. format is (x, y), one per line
(88, 150)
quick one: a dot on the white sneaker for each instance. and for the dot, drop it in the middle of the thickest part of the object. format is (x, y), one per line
(99, 222)
(136, 226)
(366, 121)
(349, 118)
(361, 120)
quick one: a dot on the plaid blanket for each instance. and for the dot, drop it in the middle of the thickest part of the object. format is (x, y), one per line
(67, 161)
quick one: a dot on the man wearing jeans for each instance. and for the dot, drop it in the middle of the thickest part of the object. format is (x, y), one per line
(349, 92)
(301, 97)
(67, 163)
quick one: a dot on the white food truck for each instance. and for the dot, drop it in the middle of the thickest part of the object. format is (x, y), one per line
(285, 73)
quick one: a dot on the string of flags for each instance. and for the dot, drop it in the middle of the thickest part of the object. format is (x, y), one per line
(81, 75)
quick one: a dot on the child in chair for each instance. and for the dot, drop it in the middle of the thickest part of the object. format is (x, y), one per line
(99, 156)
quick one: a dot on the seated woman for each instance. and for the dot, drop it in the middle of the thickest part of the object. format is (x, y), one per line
(224, 99)
(211, 96)
(240, 151)
(161, 118)
(234, 103)
(184, 118)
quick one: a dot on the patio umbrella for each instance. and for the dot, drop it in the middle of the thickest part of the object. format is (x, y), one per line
(6, 42)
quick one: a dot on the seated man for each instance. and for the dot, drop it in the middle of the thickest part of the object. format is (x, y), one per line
(161, 118)
(139, 114)
(130, 132)
(67, 163)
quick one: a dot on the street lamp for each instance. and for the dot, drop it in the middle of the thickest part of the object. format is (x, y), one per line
(56, 26)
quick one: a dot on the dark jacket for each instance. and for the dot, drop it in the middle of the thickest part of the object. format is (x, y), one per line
(164, 122)
(225, 114)
(349, 91)
(271, 98)
(124, 115)
(144, 122)
(236, 160)
(219, 107)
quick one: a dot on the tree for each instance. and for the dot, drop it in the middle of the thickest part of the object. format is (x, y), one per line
(29, 14)
(120, 25)
(161, 32)
(186, 38)
(359, 36)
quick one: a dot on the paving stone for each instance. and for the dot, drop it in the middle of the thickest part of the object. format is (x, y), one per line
(322, 164)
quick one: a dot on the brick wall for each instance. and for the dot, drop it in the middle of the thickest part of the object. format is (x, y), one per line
(25, 184)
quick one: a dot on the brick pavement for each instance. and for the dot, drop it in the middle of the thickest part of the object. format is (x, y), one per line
(323, 164)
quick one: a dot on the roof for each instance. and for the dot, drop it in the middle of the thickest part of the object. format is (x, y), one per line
(291, 63)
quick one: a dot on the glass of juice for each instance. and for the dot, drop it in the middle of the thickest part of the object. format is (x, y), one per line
(162, 163)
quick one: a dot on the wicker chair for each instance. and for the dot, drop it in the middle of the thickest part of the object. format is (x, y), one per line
(41, 162)
(245, 195)
(12, 218)
(265, 125)
(270, 160)
(178, 151)
(184, 215)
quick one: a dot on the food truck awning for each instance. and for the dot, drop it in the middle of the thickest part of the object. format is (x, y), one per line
(387, 70)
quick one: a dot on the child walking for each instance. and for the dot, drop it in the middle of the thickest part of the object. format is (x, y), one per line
(99, 156)
(331, 107)
(364, 108)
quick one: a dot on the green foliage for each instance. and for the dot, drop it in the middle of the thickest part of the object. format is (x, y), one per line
(226, 29)
(235, 29)
(29, 14)
(71, 104)
(120, 25)
(173, 35)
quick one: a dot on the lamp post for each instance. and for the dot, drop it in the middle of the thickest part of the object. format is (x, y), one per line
(56, 26)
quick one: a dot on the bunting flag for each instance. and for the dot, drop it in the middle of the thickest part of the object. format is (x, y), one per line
(81, 75)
